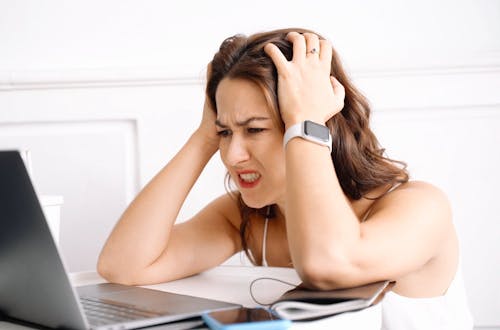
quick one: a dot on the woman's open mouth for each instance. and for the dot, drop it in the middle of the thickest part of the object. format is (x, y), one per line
(248, 179)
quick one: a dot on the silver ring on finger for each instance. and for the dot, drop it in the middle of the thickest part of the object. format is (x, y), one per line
(312, 51)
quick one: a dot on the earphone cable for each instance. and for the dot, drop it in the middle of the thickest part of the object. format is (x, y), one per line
(266, 278)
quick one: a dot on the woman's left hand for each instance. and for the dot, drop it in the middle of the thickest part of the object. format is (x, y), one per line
(306, 91)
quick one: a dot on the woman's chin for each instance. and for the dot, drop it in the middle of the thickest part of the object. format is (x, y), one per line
(254, 203)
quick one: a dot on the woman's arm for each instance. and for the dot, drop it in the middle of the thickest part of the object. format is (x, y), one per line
(329, 246)
(146, 247)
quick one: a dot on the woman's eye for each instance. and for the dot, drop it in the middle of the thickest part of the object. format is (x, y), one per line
(223, 133)
(255, 130)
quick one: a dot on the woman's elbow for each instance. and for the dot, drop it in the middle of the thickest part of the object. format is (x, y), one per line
(326, 274)
(113, 273)
(105, 270)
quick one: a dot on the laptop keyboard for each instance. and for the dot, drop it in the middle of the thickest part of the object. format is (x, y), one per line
(100, 312)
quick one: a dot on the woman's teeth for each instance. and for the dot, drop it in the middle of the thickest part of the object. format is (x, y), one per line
(250, 177)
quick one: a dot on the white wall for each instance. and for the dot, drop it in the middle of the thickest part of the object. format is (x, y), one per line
(105, 92)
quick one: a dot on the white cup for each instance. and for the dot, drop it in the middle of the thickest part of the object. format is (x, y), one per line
(52, 209)
(26, 156)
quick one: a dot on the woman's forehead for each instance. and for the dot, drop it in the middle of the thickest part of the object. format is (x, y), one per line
(240, 99)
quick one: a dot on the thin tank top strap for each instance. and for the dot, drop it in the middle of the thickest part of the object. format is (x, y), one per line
(367, 213)
(264, 237)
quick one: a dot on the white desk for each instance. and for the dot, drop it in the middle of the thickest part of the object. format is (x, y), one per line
(232, 284)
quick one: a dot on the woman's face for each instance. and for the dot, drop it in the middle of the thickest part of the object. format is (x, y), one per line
(251, 142)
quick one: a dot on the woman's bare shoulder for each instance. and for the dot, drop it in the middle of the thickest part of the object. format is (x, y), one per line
(227, 205)
(419, 189)
(414, 195)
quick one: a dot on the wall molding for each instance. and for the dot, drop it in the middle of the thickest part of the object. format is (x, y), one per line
(427, 71)
(150, 76)
(91, 78)
(432, 111)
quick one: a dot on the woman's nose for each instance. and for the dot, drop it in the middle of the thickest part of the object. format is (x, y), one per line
(237, 151)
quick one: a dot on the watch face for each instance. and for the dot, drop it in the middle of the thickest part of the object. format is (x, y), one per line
(316, 130)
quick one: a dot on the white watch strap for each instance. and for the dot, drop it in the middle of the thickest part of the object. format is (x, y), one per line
(297, 130)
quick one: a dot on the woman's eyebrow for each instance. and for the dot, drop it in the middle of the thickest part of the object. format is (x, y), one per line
(243, 122)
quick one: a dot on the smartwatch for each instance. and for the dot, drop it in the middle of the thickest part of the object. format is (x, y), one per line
(310, 131)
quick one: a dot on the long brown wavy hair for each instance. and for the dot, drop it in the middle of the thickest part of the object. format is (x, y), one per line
(358, 159)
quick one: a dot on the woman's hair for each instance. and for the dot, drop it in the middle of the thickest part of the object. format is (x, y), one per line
(358, 159)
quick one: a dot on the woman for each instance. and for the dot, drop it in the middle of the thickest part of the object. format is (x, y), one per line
(342, 214)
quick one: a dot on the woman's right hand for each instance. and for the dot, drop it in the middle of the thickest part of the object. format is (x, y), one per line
(207, 126)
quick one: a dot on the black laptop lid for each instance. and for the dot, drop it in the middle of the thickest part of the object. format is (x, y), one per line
(34, 286)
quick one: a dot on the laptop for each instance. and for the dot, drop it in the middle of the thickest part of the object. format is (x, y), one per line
(34, 285)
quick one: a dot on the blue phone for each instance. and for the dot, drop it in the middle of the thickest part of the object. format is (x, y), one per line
(245, 319)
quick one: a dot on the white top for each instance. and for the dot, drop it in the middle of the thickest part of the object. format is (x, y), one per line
(446, 312)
